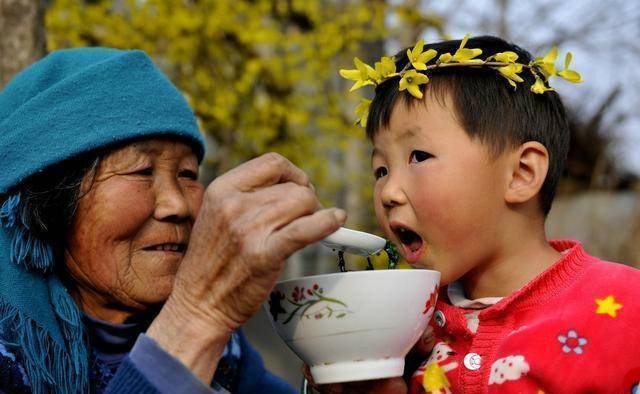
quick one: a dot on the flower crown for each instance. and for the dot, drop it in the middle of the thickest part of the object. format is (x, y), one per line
(414, 73)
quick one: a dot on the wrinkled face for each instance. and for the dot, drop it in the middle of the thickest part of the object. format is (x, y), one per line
(438, 194)
(131, 229)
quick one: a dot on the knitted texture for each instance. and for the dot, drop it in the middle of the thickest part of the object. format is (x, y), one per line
(128, 379)
(573, 329)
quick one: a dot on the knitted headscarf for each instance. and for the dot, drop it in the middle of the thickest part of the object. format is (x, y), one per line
(69, 103)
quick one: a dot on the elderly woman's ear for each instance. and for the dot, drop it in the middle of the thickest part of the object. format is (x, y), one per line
(251, 220)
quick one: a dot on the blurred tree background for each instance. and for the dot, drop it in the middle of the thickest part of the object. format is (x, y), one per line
(261, 76)
(22, 37)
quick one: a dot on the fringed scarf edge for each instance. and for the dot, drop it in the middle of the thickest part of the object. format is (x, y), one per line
(50, 367)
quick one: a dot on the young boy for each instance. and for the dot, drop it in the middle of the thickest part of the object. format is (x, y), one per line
(466, 166)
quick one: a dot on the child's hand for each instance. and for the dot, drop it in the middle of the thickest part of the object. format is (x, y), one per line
(380, 386)
(425, 344)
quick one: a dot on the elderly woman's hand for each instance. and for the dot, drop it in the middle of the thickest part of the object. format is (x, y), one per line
(252, 218)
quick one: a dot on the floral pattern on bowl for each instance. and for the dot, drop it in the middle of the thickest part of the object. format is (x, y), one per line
(307, 303)
(430, 304)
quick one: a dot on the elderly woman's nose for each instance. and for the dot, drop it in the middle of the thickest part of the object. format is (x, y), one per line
(172, 202)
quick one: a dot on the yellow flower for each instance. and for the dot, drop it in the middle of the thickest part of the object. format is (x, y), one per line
(362, 74)
(569, 75)
(385, 68)
(418, 58)
(362, 111)
(511, 73)
(411, 81)
(539, 87)
(506, 57)
(445, 58)
(466, 55)
(547, 63)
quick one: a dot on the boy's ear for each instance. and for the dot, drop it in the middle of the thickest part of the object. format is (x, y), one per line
(529, 166)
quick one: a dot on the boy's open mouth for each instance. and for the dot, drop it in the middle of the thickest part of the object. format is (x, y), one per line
(410, 242)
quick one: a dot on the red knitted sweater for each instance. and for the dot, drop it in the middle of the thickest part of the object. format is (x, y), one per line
(573, 329)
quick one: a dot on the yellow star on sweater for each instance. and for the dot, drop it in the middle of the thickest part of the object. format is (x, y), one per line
(607, 306)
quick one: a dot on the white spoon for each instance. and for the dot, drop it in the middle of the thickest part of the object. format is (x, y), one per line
(354, 242)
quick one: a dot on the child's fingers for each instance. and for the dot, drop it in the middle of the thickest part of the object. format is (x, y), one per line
(426, 342)
(312, 386)
(306, 372)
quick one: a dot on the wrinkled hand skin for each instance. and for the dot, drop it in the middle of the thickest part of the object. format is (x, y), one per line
(252, 218)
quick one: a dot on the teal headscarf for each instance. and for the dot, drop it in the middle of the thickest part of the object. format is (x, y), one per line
(69, 103)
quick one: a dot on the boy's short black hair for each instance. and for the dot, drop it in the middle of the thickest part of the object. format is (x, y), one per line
(487, 106)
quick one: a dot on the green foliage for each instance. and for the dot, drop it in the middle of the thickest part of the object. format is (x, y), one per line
(261, 75)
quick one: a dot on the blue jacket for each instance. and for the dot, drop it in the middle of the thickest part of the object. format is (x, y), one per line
(148, 369)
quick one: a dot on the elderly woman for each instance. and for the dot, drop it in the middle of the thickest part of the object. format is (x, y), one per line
(119, 271)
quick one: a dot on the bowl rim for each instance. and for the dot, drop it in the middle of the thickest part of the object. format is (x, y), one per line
(358, 273)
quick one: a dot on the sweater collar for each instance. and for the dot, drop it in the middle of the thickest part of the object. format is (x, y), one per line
(552, 281)
(455, 293)
(108, 337)
(111, 342)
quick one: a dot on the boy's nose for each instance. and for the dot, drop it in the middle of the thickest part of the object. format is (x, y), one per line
(392, 194)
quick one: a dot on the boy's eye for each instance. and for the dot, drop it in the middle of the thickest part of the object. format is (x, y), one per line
(380, 172)
(418, 156)
(189, 174)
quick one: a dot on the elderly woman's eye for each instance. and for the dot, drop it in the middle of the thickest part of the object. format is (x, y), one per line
(189, 174)
(145, 171)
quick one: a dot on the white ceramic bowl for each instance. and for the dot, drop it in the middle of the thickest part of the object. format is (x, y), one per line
(355, 325)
